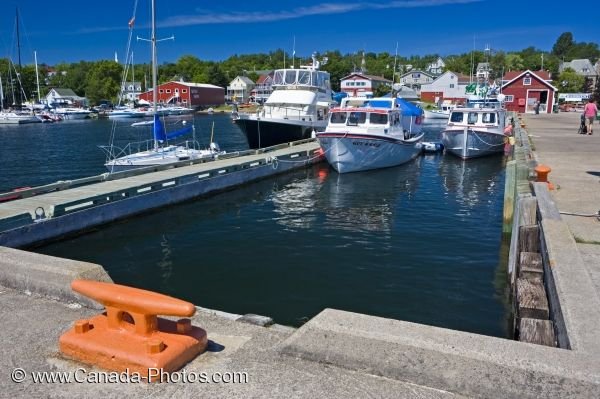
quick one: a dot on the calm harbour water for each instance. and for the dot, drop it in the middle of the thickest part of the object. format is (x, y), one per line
(420, 242)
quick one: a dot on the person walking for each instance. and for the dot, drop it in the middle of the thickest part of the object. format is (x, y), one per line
(536, 107)
(589, 112)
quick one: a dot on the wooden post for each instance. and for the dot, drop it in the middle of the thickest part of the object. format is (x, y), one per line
(530, 266)
(539, 332)
(509, 196)
(531, 300)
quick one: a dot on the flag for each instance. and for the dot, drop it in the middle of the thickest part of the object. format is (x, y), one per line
(131, 22)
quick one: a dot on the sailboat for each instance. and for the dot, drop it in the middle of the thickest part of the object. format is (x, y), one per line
(158, 151)
(9, 116)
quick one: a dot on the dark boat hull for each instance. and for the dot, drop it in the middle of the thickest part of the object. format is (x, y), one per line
(260, 134)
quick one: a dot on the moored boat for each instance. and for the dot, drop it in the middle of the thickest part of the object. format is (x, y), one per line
(371, 133)
(157, 151)
(297, 107)
(476, 130)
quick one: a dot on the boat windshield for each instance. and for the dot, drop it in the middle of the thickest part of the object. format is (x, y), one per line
(356, 118)
(472, 119)
(338, 117)
(456, 117)
(489, 117)
(378, 119)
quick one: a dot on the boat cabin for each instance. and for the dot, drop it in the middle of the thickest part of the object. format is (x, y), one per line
(365, 112)
(488, 117)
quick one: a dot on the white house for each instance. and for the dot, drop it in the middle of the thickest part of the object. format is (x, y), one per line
(415, 79)
(582, 67)
(130, 91)
(60, 96)
(360, 84)
(239, 89)
(448, 86)
(437, 67)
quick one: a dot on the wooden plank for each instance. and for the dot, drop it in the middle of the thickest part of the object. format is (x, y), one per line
(528, 211)
(546, 205)
(531, 299)
(530, 266)
(509, 196)
(529, 238)
(540, 332)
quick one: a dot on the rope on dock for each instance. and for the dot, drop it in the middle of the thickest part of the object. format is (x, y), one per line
(586, 215)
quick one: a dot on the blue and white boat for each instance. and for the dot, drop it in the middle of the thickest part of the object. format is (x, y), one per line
(371, 133)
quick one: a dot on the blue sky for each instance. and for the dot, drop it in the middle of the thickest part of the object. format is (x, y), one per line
(73, 30)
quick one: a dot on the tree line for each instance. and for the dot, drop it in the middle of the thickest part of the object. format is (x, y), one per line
(99, 80)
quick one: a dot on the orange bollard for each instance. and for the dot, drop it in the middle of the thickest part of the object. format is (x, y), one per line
(542, 172)
(129, 336)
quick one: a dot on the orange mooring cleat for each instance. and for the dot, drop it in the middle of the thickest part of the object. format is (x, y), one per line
(129, 336)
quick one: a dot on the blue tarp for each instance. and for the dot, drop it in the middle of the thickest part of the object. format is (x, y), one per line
(337, 97)
(160, 134)
(378, 104)
(408, 108)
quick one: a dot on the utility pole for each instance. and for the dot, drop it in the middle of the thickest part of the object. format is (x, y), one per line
(542, 61)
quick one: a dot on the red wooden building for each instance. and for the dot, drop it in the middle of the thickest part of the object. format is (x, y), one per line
(187, 94)
(524, 88)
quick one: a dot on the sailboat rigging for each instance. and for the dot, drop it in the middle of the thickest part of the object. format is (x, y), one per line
(157, 151)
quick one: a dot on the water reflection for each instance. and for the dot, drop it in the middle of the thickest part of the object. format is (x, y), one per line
(472, 181)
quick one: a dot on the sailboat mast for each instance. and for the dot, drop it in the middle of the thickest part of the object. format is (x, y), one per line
(154, 71)
(154, 61)
(19, 58)
(1, 95)
(37, 77)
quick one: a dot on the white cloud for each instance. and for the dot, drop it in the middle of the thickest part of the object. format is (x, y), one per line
(319, 9)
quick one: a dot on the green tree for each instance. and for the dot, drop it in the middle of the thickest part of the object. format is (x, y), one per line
(570, 82)
(514, 62)
(563, 44)
(103, 81)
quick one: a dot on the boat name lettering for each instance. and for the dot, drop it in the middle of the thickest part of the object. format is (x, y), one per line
(366, 144)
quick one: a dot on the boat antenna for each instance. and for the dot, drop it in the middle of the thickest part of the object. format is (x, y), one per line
(472, 62)
(394, 70)
(1, 94)
(294, 52)
(19, 58)
(37, 77)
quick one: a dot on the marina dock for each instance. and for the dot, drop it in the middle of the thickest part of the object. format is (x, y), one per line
(82, 204)
(338, 353)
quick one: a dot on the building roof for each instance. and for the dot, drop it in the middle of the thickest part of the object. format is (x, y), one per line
(544, 75)
(582, 67)
(262, 78)
(417, 71)
(539, 75)
(369, 77)
(190, 84)
(65, 92)
(245, 79)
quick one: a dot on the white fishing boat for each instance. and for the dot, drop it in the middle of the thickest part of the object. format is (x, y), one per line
(371, 133)
(69, 113)
(442, 112)
(297, 107)
(476, 130)
(157, 151)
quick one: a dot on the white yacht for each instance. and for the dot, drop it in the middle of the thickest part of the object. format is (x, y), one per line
(297, 107)
(17, 118)
(371, 133)
(72, 113)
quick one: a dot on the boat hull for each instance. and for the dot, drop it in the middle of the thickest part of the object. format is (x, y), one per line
(472, 143)
(436, 114)
(161, 156)
(266, 133)
(354, 153)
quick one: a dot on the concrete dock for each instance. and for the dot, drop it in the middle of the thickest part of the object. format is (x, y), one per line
(343, 354)
(74, 208)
